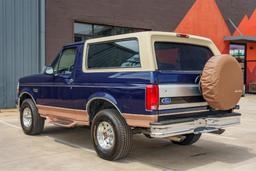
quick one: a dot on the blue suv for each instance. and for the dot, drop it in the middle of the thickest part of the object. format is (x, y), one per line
(146, 82)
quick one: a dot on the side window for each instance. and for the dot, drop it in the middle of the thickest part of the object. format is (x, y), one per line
(66, 61)
(116, 54)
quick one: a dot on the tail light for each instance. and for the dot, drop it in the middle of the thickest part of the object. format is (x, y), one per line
(152, 97)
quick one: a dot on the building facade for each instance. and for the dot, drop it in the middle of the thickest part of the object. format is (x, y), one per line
(231, 24)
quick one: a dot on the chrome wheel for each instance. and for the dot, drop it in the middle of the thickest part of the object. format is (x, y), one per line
(27, 117)
(105, 135)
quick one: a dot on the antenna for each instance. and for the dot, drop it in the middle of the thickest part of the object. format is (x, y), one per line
(233, 24)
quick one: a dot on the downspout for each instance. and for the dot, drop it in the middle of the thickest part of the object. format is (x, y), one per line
(41, 34)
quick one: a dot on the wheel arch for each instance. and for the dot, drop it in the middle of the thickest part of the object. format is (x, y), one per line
(101, 101)
(25, 95)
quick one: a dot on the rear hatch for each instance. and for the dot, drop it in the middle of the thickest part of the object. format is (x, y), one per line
(179, 68)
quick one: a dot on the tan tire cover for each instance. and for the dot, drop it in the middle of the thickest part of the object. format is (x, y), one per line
(222, 82)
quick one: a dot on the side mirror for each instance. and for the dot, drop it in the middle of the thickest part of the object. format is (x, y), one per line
(48, 70)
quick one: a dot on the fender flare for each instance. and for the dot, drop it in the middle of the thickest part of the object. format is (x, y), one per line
(26, 92)
(102, 96)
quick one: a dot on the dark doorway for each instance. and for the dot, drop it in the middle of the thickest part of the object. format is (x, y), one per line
(239, 52)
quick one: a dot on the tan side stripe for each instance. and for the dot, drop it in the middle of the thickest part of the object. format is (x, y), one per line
(70, 114)
(140, 120)
(82, 116)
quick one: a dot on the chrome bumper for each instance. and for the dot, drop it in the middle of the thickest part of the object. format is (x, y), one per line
(198, 125)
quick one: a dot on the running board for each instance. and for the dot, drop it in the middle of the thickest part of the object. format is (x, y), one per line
(65, 123)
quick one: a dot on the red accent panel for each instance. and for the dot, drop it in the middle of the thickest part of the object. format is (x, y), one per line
(251, 63)
(243, 26)
(205, 19)
(247, 26)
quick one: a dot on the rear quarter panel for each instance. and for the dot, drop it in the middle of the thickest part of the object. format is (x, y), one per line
(126, 90)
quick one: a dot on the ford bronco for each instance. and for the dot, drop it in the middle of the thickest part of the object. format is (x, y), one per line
(146, 82)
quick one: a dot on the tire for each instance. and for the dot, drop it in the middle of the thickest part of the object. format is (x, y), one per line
(189, 139)
(36, 125)
(117, 147)
(147, 136)
(222, 82)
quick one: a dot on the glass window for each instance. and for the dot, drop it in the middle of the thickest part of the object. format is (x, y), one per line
(100, 30)
(66, 61)
(183, 57)
(238, 51)
(83, 31)
(118, 54)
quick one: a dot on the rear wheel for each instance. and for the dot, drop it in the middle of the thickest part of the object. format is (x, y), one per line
(188, 139)
(31, 122)
(112, 137)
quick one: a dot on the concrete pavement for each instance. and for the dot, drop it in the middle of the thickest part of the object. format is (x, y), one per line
(71, 149)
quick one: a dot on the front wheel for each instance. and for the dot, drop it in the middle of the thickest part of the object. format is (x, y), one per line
(112, 137)
(189, 139)
(31, 122)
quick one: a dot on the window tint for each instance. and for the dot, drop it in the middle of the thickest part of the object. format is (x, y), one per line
(119, 54)
(184, 57)
(66, 61)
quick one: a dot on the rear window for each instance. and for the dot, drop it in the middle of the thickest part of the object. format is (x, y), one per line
(117, 54)
(181, 57)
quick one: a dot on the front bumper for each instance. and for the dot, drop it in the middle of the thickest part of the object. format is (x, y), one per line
(193, 125)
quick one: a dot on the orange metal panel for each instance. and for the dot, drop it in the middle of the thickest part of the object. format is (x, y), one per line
(205, 19)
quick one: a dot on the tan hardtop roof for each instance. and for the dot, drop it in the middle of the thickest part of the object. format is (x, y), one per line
(148, 34)
(146, 48)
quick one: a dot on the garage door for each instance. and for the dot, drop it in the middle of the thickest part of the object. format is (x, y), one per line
(19, 45)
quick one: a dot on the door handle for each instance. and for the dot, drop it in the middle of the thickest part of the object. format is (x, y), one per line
(70, 81)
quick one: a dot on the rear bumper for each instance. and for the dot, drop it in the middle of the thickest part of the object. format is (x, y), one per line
(193, 125)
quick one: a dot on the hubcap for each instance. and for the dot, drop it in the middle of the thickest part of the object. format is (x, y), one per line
(105, 135)
(27, 117)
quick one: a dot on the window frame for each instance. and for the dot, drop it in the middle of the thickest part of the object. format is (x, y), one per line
(55, 61)
(85, 63)
(58, 58)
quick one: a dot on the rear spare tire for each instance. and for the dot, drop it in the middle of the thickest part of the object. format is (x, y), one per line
(222, 82)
